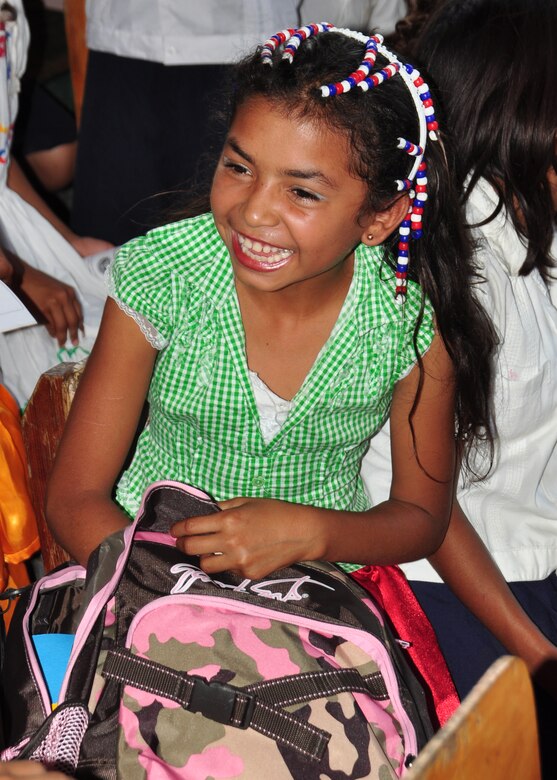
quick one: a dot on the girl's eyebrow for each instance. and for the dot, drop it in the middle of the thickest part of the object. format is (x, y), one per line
(295, 173)
(233, 143)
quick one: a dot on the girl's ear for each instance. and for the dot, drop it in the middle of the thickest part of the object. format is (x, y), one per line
(379, 226)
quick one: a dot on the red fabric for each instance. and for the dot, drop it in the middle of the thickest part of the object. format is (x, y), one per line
(390, 589)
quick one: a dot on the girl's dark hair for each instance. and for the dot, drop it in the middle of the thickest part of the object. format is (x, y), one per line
(409, 28)
(494, 63)
(372, 122)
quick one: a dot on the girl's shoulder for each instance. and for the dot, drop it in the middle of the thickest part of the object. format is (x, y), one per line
(185, 249)
(177, 241)
(378, 288)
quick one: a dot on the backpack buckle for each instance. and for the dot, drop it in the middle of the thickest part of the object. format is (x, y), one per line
(221, 703)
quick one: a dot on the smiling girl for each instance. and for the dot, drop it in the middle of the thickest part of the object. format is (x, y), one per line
(275, 334)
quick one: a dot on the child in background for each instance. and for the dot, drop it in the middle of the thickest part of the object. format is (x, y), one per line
(273, 336)
(494, 63)
(66, 294)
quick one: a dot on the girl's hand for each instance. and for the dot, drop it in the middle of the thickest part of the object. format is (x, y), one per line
(6, 269)
(252, 536)
(56, 301)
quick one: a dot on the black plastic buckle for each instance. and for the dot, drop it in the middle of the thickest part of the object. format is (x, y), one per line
(217, 701)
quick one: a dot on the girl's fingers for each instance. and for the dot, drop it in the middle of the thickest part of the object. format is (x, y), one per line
(193, 526)
(207, 544)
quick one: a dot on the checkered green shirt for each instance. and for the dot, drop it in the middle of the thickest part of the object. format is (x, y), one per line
(203, 426)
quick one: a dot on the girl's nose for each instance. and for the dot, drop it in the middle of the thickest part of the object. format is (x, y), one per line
(260, 207)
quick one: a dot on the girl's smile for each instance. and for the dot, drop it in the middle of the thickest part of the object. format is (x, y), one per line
(284, 200)
(257, 255)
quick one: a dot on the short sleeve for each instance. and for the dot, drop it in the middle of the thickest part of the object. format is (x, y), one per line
(413, 342)
(141, 281)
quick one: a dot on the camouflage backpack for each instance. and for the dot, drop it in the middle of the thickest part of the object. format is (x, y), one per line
(176, 674)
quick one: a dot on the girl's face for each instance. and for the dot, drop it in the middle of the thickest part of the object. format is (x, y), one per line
(283, 200)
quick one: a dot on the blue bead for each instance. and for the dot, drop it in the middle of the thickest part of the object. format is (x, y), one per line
(408, 68)
(401, 268)
(425, 95)
(406, 223)
(351, 80)
(417, 233)
(402, 253)
(419, 204)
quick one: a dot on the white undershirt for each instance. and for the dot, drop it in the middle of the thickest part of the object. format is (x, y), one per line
(273, 410)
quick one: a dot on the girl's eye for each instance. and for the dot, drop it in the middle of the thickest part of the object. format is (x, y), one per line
(305, 195)
(235, 166)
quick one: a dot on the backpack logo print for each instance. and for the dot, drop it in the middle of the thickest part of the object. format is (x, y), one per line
(269, 589)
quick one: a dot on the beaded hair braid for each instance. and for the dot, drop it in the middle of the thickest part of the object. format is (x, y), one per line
(363, 78)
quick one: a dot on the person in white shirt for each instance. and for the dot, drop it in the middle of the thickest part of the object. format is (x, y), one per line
(493, 63)
(154, 82)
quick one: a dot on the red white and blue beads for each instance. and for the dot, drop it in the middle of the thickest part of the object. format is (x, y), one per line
(291, 38)
(415, 183)
(357, 76)
(300, 35)
(401, 270)
(427, 101)
(273, 43)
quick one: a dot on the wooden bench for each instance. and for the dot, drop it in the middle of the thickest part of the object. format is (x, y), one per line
(493, 735)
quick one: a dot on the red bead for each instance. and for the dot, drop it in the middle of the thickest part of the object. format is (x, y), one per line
(422, 167)
(419, 81)
(403, 246)
(433, 126)
(417, 211)
(421, 187)
(427, 103)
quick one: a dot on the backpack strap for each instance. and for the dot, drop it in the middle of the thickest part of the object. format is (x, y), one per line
(217, 701)
(307, 686)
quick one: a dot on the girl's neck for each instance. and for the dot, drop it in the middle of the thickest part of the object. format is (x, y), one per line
(285, 330)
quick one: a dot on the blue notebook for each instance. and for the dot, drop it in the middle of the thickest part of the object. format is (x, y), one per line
(53, 652)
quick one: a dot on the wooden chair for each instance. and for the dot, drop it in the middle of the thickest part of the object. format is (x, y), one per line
(492, 736)
(42, 425)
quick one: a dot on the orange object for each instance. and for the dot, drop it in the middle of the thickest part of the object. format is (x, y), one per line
(19, 537)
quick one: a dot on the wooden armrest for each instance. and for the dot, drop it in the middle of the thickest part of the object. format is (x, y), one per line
(42, 426)
(492, 736)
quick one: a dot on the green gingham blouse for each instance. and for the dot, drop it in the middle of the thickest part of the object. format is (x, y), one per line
(203, 427)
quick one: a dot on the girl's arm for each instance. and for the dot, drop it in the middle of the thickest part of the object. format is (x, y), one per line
(256, 536)
(99, 432)
(468, 569)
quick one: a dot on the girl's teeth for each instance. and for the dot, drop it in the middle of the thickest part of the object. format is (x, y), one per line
(255, 249)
